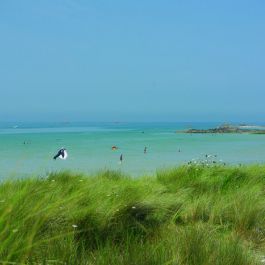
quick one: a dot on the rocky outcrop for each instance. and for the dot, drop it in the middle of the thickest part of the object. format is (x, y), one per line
(224, 129)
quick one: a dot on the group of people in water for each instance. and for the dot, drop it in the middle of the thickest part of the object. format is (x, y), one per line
(208, 159)
(121, 156)
(62, 153)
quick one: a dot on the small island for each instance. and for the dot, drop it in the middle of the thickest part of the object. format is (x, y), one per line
(228, 128)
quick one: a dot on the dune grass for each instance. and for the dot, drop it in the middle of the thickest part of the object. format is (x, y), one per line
(190, 215)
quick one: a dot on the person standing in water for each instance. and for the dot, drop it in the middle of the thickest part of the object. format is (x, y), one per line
(121, 158)
(145, 150)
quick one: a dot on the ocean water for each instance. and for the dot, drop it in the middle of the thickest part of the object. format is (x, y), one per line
(28, 148)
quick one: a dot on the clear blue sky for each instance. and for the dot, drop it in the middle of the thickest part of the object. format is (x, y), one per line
(142, 60)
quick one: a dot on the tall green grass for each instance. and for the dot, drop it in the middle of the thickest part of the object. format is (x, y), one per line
(189, 215)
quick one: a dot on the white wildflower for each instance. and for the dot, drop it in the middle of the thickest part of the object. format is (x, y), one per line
(74, 226)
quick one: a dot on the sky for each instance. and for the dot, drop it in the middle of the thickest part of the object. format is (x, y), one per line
(141, 60)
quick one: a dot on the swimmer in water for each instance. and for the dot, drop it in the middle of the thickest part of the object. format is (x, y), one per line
(62, 154)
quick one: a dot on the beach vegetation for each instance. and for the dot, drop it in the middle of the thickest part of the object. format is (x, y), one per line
(189, 215)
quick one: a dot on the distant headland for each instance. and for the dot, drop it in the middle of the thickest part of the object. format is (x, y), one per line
(229, 128)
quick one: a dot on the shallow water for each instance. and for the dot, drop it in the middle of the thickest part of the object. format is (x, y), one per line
(28, 148)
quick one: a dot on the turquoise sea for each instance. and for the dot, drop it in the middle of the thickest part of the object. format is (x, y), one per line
(28, 148)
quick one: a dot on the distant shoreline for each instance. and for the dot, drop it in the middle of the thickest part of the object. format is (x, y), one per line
(227, 128)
